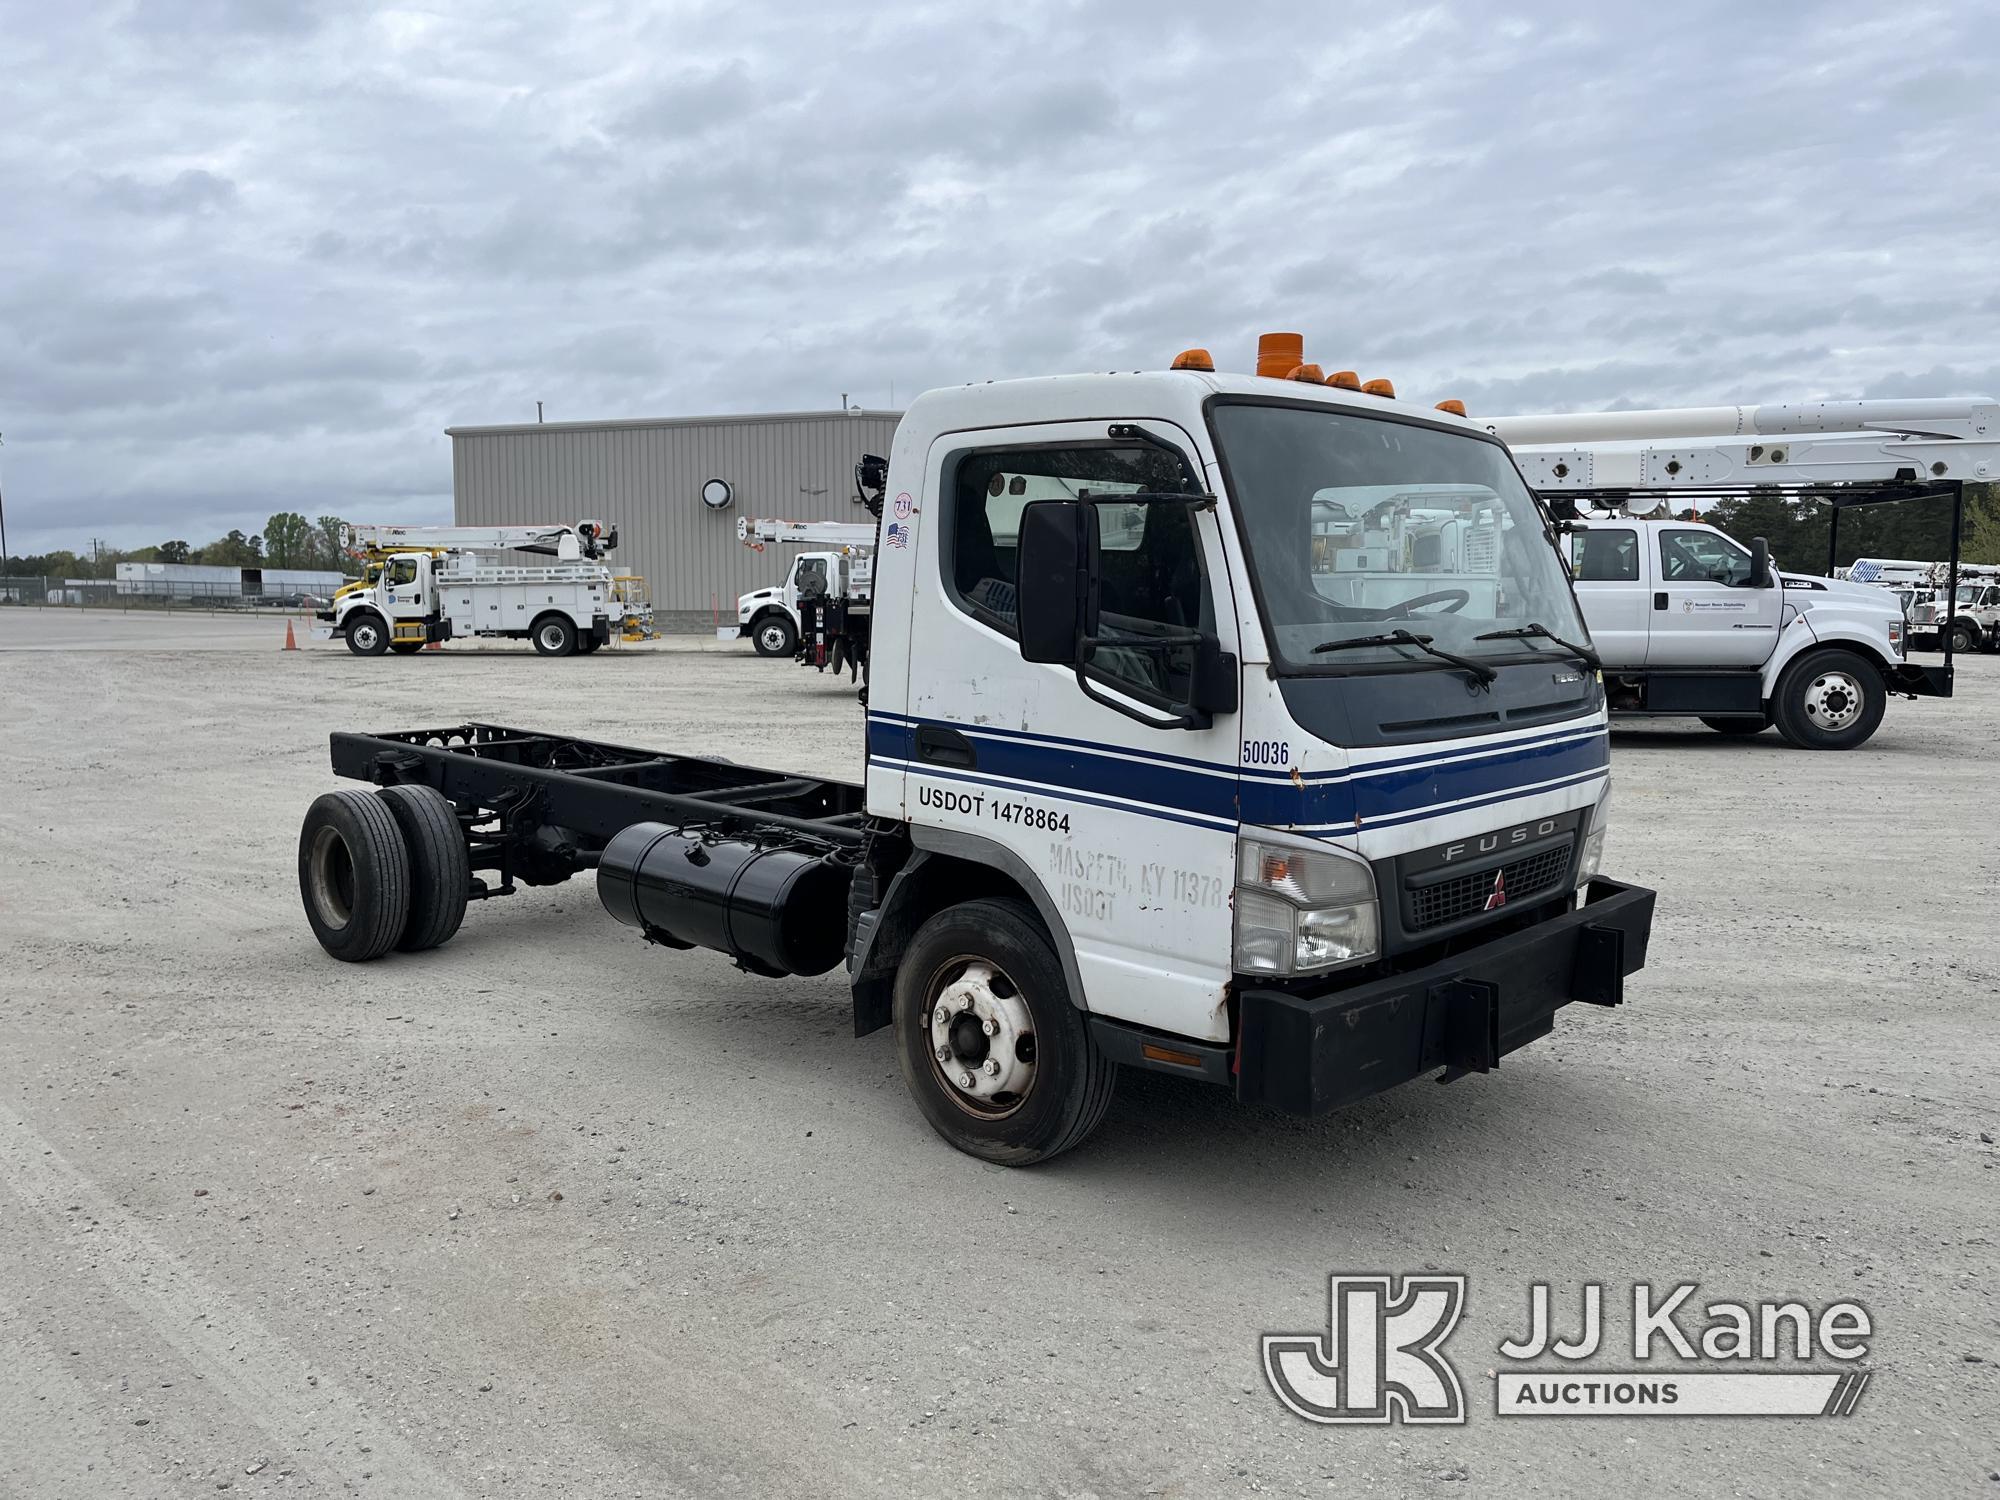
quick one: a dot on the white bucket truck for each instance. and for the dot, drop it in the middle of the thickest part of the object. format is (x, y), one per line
(430, 584)
(1221, 725)
(1689, 621)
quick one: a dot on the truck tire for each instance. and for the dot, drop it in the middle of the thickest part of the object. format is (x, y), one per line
(1964, 638)
(774, 634)
(440, 867)
(367, 634)
(588, 643)
(1020, 1080)
(1829, 700)
(1744, 727)
(354, 875)
(554, 635)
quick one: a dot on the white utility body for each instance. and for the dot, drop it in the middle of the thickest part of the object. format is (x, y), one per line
(839, 566)
(1226, 726)
(1690, 621)
(430, 584)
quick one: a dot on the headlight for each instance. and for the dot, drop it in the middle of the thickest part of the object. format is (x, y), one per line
(1592, 858)
(1301, 909)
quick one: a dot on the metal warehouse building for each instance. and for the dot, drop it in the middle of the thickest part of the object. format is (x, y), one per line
(650, 476)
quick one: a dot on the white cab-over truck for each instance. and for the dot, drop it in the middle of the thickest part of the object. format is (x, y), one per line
(1156, 775)
(836, 577)
(1689, 621)
(429, 584)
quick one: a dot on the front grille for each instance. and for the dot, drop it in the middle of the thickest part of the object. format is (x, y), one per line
(1448, 901)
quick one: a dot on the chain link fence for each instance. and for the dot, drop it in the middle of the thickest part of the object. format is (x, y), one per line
(38, 592)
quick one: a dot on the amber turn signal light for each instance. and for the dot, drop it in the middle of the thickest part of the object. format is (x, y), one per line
(1383, 388)
(1456, 408)
(1347, 380)
(1193, 359)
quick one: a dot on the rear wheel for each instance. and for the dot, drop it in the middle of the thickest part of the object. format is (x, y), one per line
(1963, 637)
(354, 875)
(366, 634)
(1829, 700)
(1736, 726)
(440, 868)
(554, 635)
(996, 1055)
(775, 635)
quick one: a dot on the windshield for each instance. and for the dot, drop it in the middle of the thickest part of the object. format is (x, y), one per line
(1360, 527)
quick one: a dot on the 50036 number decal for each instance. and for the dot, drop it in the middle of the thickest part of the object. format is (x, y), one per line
(1266, 753)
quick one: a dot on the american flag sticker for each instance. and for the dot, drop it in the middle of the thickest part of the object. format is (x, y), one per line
(899, 535)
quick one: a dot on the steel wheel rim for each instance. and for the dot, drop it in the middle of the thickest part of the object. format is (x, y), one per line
(332, 875)
(1834, 700)
(980, 1037)
(365, 636)
(773, 637)
(552, 637)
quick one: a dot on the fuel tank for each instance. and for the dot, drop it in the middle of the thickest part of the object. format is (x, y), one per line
(774, 910)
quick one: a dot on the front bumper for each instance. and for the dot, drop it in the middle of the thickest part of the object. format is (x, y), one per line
(1311, 1053)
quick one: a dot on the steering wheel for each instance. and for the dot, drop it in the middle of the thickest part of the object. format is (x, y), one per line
(1453, 601)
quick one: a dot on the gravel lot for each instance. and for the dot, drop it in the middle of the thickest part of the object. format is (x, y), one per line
(547, 1211)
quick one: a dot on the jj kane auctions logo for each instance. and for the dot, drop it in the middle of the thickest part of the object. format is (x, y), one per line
(1381, 1358)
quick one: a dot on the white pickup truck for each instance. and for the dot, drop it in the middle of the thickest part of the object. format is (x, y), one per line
(1690, 621)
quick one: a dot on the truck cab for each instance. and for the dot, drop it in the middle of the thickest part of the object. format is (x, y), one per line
(770, 616)
(1690, 621)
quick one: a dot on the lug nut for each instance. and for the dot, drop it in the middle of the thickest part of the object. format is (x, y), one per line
(991, 1028)
(965, 1080)
(943, 1015)
(943, 1053)
(992, 1067)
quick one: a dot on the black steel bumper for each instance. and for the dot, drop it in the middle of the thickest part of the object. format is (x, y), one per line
(1312, 1053)
(1921, 681)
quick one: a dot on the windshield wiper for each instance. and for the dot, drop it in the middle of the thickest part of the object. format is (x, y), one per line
(1422, 642)
(1535, 632)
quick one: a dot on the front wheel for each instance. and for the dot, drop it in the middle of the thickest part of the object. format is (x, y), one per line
(554, 635)
(366, 634)
(774, 635)
(1829, 700)
(996, 1055)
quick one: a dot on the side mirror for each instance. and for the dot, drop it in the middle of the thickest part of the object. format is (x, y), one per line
(1760, 563)
(1056, 581)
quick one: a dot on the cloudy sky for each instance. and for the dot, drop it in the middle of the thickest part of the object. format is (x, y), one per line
(257, 254)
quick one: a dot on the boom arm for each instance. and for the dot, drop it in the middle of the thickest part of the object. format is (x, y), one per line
(584, 539)
(1829, 442)
(845, 536)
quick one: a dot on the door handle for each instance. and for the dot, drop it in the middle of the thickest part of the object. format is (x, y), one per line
(1660, 600)
(946, 747)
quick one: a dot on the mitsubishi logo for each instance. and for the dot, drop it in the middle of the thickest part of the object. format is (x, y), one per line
(1498, 898)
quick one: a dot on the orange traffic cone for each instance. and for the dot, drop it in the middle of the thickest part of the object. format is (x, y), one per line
(434, 646)
(291, 641)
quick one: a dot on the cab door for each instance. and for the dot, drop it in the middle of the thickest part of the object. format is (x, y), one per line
(404, 580)
(1608, 564)
(1126, 833)
(1705, 613)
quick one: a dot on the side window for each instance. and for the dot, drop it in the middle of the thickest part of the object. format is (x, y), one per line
(1702, 557)
(810, 580)
(1605, 555)
(1153, 583)
(402, 570)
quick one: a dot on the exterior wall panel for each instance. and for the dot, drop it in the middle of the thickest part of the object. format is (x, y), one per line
(646, 477)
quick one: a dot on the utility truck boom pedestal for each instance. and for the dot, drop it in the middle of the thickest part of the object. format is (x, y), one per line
(1689, 621)
(1168, 766)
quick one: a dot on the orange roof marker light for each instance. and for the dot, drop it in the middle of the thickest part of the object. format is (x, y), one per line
(1310, 374)
(1456, 408)
(1193, 359)
(1384, 388)
(1347, 380)
(1278, 354)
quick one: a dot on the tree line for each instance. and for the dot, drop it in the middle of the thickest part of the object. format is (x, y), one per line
(288, 540)
(1918, 529)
